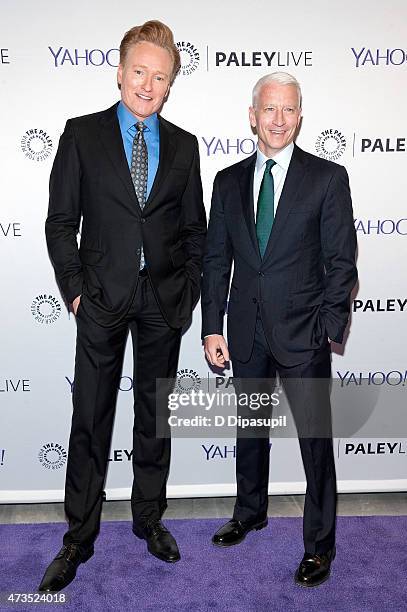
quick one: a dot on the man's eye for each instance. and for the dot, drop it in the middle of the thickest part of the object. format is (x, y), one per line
(270, 108)
(138, 71)
(159, 78)
(289, 109)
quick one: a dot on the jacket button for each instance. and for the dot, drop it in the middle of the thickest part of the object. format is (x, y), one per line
(261, 273)
(254, 300)
(143, 220)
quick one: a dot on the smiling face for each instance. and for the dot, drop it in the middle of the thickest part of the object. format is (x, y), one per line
(145, 78)
(276, 116)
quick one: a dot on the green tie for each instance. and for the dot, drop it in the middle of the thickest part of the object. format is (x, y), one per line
(265, 208)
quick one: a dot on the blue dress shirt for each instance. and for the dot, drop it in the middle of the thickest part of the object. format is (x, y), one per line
(127, 122)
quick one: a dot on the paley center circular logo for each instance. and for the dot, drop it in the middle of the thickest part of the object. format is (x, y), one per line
(330, 144)
(36, 144)
(187, 381)
(45, 309)
(52, 456)
(189, 57)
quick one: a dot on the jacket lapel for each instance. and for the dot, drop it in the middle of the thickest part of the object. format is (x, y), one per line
(292, 186)
(246, 174)
(167, 154)
(113, 144)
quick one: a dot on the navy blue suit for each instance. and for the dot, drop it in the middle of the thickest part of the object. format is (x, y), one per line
(282, 310)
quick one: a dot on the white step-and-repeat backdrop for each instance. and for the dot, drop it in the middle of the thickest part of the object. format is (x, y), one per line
(59, 60)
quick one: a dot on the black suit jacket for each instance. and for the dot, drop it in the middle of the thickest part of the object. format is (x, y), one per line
(303, 283)
(90, 178)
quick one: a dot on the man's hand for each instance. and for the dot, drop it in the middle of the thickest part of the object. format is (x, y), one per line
(216, 350)
(75, 304)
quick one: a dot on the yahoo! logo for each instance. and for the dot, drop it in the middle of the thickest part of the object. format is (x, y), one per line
(229, 146)
(84, 57)
(385, 227)
(393, 378)
(221, 452)
(125, 383)
(379, 57)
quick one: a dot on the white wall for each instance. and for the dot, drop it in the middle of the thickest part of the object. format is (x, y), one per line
(350, 60)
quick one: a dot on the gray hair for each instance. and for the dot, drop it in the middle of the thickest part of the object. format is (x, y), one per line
(283, 78)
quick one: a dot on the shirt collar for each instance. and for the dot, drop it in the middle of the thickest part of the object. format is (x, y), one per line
(282, 158)
(127, 119)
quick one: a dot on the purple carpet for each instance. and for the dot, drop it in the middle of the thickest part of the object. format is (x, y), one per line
(369, 573)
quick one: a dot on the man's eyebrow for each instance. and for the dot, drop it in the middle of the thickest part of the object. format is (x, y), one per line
(144, 66)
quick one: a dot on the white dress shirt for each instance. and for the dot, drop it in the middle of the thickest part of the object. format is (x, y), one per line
(279, 172)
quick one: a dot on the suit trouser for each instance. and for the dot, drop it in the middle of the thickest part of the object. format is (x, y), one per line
(98, 365)
(307, 388)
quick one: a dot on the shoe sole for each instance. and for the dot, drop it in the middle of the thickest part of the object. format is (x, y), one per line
(57, 590)
(88, 556)
(163, 558)
(256, 527)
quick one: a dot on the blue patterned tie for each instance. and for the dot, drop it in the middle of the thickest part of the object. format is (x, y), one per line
(139, 171)
(265, 208)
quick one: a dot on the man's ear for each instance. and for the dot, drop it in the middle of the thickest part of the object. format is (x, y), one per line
(252, 117)
(119, 76)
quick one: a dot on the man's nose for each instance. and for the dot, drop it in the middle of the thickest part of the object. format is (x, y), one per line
(148, 82)
(279, 117)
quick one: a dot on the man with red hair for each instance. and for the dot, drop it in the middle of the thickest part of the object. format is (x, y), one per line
(134, 180)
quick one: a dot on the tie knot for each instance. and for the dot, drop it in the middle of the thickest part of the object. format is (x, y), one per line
(140, 126)
(269, 164)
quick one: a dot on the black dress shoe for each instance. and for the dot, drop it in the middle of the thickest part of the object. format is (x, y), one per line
(62, 570)
(160, 542)
(314, 569)
(234, 532)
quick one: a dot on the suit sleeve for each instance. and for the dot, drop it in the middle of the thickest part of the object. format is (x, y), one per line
(338, 239)
(216, 267)
(193, 224)
(64, 214)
